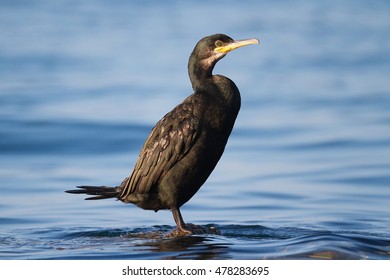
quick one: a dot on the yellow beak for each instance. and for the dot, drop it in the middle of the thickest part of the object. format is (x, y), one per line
(236, 44)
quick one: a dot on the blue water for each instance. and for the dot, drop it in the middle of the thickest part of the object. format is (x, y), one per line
(306, 173)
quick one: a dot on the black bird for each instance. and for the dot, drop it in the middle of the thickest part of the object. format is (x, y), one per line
(185, 145)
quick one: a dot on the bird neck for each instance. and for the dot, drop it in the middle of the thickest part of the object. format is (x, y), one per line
(200, 72)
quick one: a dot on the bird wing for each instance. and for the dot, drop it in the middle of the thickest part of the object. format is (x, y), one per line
(170, 140)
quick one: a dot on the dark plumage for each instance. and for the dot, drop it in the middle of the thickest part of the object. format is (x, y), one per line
(185, 145)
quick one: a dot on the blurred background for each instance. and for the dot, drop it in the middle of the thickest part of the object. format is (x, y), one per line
(83, 82)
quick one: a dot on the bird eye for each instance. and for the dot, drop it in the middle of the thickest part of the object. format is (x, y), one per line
(218, 43)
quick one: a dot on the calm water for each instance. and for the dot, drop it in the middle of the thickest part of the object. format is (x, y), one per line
(306, 173)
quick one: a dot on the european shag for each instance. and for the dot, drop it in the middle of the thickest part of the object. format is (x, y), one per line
(185, 145)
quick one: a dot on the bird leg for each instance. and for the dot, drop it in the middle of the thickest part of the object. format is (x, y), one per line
(181, 228)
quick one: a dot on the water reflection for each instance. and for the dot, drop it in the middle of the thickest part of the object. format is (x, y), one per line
(188, 247)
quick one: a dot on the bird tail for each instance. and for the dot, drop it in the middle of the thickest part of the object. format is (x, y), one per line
(97, 192)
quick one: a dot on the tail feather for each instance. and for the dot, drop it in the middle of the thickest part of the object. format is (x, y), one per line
(98, 192)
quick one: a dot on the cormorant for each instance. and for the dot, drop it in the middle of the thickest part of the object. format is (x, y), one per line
(185, 145)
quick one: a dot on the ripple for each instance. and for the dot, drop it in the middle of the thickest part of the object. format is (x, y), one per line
(58, 137)
(235, 242)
